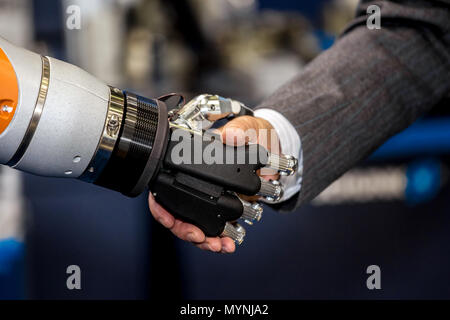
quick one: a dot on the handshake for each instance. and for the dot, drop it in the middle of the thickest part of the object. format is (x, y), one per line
(219, 161)
(201, 162)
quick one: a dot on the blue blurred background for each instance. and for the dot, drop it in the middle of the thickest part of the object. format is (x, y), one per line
(392, 211)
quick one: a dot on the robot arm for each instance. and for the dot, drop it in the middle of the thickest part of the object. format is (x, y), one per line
(57, 116)
(57, 120)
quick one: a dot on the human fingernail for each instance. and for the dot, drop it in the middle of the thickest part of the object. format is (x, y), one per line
(227, 249)
(205, 246)
(217, 248)
(164, 221)
(192, 237)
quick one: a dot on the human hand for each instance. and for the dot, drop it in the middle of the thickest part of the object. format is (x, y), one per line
(233, 133)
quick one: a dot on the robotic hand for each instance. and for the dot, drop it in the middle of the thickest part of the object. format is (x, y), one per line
(210, 189)
(56, 120)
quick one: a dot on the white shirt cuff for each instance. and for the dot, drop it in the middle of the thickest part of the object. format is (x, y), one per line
(290, 143)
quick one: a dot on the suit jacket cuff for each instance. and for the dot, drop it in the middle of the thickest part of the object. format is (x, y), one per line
(290, 143)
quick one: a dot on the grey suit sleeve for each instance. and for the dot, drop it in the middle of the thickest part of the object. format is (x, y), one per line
(370, 85)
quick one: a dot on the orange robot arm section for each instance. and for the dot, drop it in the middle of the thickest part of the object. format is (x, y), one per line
(9, 92)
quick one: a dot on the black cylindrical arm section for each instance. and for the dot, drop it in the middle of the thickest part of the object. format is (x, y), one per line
(141, 144)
